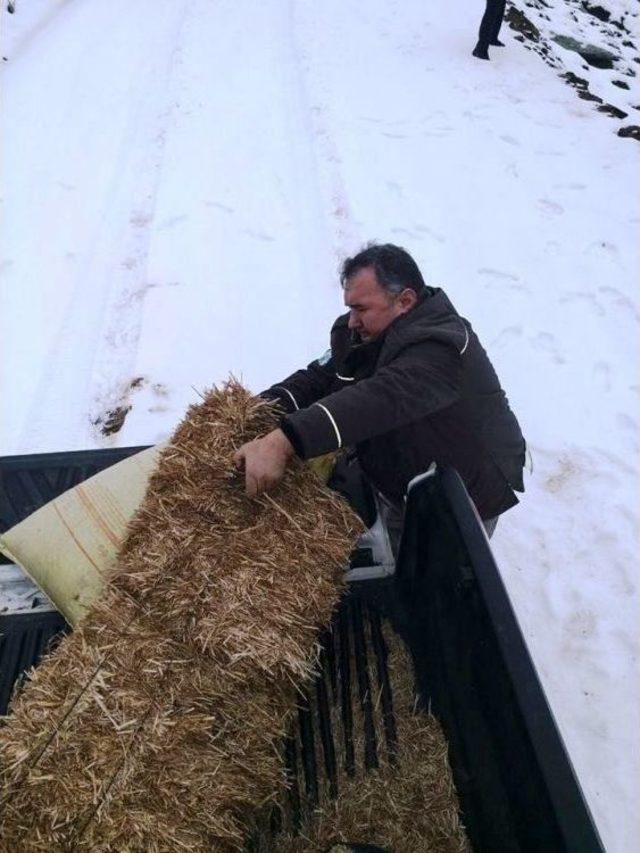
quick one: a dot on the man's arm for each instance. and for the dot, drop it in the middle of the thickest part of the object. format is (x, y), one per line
(421, 380)
(303, 387)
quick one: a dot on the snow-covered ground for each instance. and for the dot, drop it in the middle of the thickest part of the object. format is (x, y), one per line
(181, 179)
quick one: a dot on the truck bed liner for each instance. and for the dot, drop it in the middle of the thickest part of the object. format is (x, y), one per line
(517, 788)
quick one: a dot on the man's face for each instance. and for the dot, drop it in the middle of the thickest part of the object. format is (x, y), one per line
(371, 307)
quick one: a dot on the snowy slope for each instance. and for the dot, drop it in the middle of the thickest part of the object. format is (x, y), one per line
(181, 180)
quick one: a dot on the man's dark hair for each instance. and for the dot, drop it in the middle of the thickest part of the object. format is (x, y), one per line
(394, 267)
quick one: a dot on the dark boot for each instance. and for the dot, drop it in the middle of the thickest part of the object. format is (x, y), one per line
(496, 43)
(480, 51)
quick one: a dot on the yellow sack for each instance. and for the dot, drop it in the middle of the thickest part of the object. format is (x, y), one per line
(68, 544)
(322, 466)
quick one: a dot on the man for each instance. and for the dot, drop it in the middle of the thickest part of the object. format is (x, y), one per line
(490, 28)
(406, 383)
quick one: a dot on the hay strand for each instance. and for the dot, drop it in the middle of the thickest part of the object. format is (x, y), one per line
(407, 804)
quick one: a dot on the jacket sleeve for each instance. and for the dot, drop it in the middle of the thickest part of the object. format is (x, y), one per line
(303, 387)
(421, 380)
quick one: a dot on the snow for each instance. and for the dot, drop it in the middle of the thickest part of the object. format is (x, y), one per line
(181, 180)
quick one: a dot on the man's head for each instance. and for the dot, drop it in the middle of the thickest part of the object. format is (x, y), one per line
(380, 283)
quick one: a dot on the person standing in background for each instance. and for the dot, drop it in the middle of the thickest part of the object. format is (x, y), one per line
(490, 28)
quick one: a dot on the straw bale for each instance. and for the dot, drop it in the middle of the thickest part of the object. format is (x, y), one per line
(157, 724)
(408, 806)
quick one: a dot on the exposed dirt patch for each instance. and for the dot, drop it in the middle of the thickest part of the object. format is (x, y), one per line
(632, 131)
(591, 31)
(113, 420)
(566, 472)
(519, 22)
(113, 408)
(610, 110)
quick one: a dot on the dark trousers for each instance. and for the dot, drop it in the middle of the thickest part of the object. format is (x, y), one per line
(491, 22)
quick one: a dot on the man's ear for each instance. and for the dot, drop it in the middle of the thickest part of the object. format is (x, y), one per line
(407, 299)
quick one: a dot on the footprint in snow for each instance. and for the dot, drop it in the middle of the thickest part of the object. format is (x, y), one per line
(602, 246)
(549, 152)
(571, 185)
(498, 273)
(546, 342)
(507, 336)
(223, 207)
(552, 247)
(579, 296)
(511, 140)
(602, 376)
(140, 219)
(396, 189)
(423, 229)
(259, 235)
(614, 462)
(474, 116)
(620, 300)
(404, 231)
(550, 206)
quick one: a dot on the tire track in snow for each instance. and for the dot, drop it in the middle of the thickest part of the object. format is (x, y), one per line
(345, 234)
(101, 330)
(112, 381)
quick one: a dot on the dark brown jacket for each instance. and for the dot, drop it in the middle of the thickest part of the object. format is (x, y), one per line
(424, 391)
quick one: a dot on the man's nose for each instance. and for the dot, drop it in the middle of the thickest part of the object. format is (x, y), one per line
(353, 323)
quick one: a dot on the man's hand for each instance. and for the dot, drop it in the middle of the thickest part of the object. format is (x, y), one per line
(264, 461)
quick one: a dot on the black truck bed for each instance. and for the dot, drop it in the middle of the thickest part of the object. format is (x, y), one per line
(515, 782)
